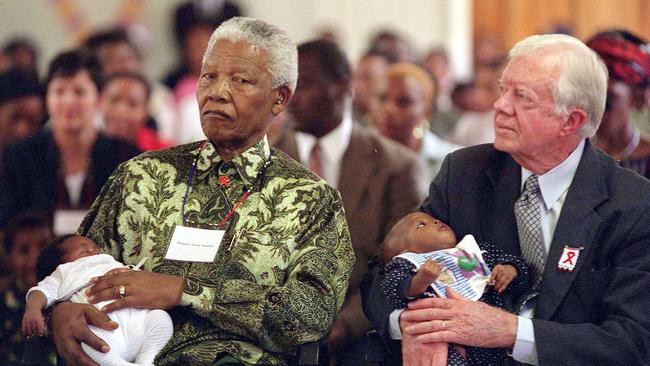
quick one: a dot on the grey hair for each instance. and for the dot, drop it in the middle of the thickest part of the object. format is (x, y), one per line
(583, 76)
(283, 55)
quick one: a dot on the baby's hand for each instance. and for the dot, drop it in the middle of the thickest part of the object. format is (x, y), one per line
(428, 272)
(33, 323)
(502, 275)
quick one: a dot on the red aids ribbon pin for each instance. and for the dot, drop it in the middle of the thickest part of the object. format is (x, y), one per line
(224, 181)
(569, 258)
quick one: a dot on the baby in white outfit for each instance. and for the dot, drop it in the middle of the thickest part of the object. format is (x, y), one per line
(142, 333)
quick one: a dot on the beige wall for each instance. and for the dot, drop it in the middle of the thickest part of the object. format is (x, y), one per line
(512, 20)
(425, 22)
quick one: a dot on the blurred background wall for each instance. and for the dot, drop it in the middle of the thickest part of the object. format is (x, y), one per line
(55, 24)
(512, 20)
(451, 24)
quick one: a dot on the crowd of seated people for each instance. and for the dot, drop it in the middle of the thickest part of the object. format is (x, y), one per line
(379, 133)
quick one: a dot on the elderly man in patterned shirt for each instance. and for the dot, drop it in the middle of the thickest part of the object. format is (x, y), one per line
(248, 251)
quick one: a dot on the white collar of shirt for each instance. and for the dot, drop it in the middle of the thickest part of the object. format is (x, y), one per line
(554, 183)
(333, 146)
(554, 186)
(436, 148)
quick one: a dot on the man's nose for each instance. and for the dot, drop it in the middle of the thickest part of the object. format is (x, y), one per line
(503, 105)
(221, 91)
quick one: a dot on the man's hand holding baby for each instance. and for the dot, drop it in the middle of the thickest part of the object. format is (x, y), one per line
(142, 289)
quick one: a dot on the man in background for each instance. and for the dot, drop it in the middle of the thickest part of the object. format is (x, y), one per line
(373, 174)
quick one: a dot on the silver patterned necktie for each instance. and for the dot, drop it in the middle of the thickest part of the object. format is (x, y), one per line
(528, 213)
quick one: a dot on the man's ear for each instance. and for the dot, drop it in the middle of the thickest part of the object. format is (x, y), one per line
(281, 96)
(576, 119)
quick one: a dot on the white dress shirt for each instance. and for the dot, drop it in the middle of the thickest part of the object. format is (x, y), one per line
(333, 146)
(554, 186)
(429, 160)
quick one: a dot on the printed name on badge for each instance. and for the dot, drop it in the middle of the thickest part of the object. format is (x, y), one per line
(194, 245)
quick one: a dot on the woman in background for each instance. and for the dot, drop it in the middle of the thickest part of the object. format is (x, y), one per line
(64, 166)
(628, 62)
(402, 115)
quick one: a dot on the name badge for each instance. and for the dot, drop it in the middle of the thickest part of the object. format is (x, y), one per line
(194, 245)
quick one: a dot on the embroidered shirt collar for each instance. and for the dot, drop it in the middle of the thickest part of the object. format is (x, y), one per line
(248, 163)
(556, 181)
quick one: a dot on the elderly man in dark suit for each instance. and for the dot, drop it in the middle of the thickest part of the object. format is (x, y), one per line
(543, 190)
(373, 174)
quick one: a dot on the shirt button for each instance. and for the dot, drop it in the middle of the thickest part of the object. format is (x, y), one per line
(224, 167)
(289, 326)
(274, 298)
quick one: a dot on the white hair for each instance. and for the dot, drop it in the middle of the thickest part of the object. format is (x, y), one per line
(283, 55)
(582, 81)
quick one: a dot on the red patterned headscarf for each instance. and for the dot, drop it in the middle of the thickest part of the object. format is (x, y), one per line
(625, 55)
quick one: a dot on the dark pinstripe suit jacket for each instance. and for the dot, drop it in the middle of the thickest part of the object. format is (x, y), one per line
(598, 314)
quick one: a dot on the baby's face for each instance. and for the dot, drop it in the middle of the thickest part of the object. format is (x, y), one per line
(78, 247)
(426, 234)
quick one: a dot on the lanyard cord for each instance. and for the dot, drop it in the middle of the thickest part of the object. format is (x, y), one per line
(259, 176)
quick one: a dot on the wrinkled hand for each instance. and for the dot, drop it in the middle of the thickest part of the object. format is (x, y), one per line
(416, 353)
(33, 323)
(69, 327)
(142, 289)
(461, 321)
(502, 275)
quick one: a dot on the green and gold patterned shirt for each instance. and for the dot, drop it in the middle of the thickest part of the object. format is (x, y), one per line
(278, 284)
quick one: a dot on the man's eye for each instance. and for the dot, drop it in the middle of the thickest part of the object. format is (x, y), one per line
(421, 224)
(524, 97)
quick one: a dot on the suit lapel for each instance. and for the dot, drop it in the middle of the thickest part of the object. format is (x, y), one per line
(356, 168)
(576, 227)
(496, 207)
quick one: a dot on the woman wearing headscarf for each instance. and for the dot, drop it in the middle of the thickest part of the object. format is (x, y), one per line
(628, 62)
